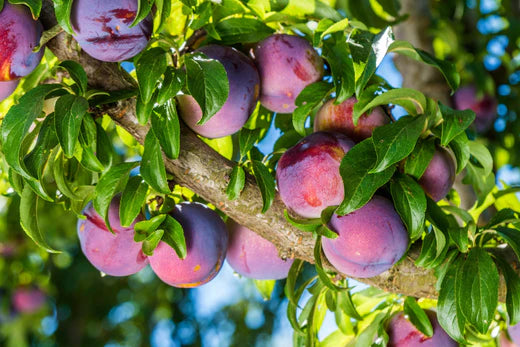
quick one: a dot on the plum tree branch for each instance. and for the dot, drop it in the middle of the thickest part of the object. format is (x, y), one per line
(205, 172)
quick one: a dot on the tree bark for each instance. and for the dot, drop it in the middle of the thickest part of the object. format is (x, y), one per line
(206, 173)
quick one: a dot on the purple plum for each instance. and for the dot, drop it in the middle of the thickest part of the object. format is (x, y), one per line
(7, 88)
(439, 176)
(28, 300)
(331, 117)
(114, 254)
(19, 35)
(287, 64)
(253, 256)
(308, 175)
(102, 28)
(206, 243)
(244, 87)
(485, 107)
(370, 240)
(402, 333)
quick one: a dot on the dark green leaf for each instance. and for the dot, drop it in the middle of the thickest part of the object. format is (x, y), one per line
(342, 68)
(247, 139)
(77, 73)
(29, 219)
(152, 164)
(203, 12)
(478, 296)
(503, 216)
(460, 148)
(173, 82)
(410, 203)
(59, 168)
(310, 97)
(459, 236)
(143, 111)
(143, 9)
(395, 141)
(265, 182)
(417, 316)
(420, 158)
(455, 122)
(174, 236)
(513, 291)
(109, 184)
(242, 30)
(165, 124)
(303, 224)
(208, 84)
(146, 227)
(359, 184)
(151, 242)
(69, 112)
(34, 5)
(36, 159)
(149, 68)
(512, 237)
(132, 199)
(237, 181)
(367, 336)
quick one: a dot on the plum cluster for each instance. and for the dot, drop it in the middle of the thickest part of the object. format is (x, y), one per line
(207, 242)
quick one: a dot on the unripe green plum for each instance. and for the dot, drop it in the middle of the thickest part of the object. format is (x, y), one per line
(19, 35)
(370, 240)
(308, 175)
(244, 87)
(439, 176)
(402, 333)
(287, 64)
(116, 254)
(206, 242)
(331, 117)
(253, 256)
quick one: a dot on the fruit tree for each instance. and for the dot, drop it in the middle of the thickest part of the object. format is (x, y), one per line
(356, 160)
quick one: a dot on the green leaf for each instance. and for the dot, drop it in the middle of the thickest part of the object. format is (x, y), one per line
(203, 12)
(418, 161)
(172, 83)
(132, 199)
(449, 313)
(69, 112)
(303, 224)
(367, 336)
(174, 236)
(77, 73)
(359, 184)
(34, 5)
(512, 237)
(310, 97)
(455, 122)
(265, 287)
(29, 219)
(417, 316)
(242, 30)
(409, 99)
(146, 227)
(149, 68)
(59, 169)
(143, 110)
(265, 182)
(109, 184)
(478, 296)
(36, 159)
(503, 216)
(460, 147)
(513, 290)
(482, 155)
(459, 236)
(17, 122)
(395, 141)
(165, 125)
(85, 153)
(247, 139)
(482, 183)
(410, 202)
(342, 69)
(237, 181)
(207, 83)
(143, 9)
(151, 242)
(447, 69)
(433, 250)
(153, 170)
(62, 10)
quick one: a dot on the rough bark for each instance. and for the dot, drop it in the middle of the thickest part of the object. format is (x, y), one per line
(205, 172)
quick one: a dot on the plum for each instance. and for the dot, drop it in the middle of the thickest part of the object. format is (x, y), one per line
(331, 117)
(485, 107)
(114, 254)
(19, 35)
(253, 256)
(244, 87)
(287, 64)
(402, 333)
(102, 28)
(206, 243)
(7, 88)
(308, 175)
(439, 176)
(512, 338)
(28, 300)
(370, 240)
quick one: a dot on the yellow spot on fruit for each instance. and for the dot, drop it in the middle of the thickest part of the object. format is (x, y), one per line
(82, 227)
(285, 105)
(196, 268)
